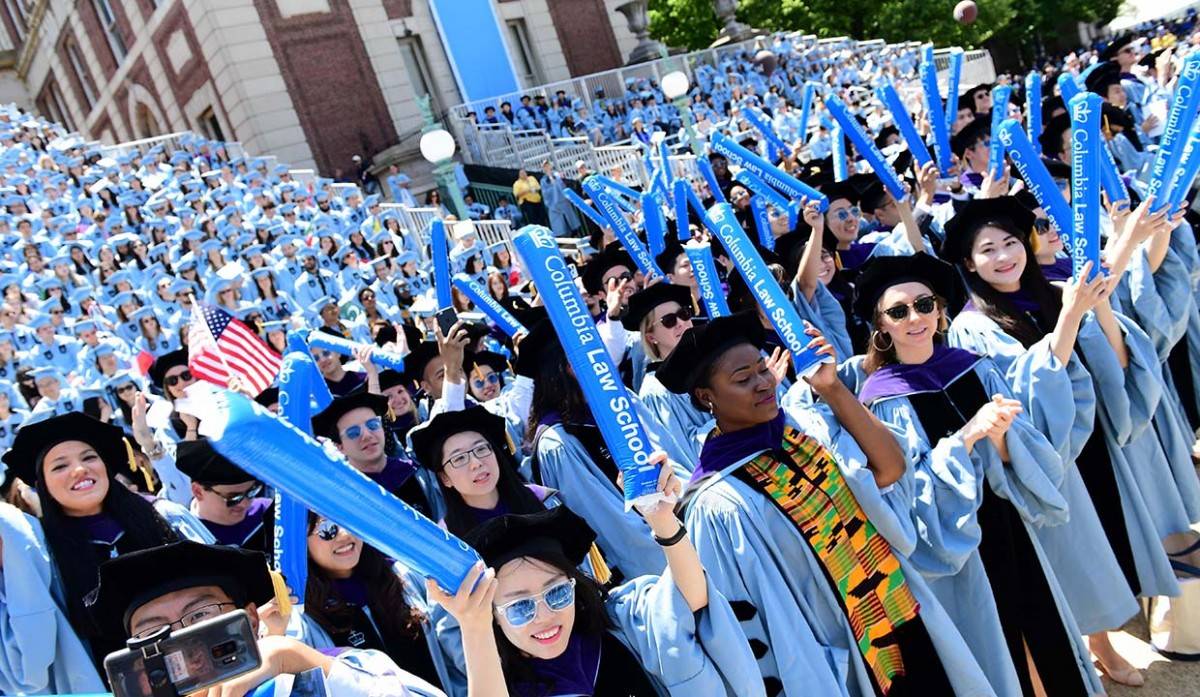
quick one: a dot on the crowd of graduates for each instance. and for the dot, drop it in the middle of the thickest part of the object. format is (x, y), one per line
(994, 461)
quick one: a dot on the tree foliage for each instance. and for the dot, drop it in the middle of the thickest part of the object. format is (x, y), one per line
(692, 23)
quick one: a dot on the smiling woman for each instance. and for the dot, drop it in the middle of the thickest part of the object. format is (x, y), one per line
(87, 516)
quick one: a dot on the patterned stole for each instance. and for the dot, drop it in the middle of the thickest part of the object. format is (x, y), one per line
(810, 489)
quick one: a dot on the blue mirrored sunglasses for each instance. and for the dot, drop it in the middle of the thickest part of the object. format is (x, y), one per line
(355, 432)
(521, 611)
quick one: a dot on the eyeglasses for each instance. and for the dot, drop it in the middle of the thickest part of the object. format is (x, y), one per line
(480, 383)
(924, 305)
(521, 611)
(847, 213)
(670, 319)
(327, 530)
(623, 276)
(355, 432)
(194, 617)
(232, 500)
(460, 460)
(173, 380)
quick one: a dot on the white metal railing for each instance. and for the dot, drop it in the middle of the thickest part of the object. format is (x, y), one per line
(494, 231)
(305, 177)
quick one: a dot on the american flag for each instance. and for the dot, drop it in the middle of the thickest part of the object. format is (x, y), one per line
(220, 346)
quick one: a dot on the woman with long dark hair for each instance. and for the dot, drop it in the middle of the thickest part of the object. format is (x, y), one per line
(1090, 381)
(787, 513)
(357, 597)
(88, 516)
(535, 625)
(956, 416)
(468, 451)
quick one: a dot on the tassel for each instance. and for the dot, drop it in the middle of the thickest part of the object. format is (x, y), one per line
(282, 597)
(600, 570)
(147, 472)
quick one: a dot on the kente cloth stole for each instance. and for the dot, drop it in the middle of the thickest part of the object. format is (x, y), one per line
(812, 492)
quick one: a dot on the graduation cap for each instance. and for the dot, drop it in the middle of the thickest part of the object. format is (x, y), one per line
(325, 422)
(977, 213)
(165, 362)
(885, 133)
(418, 359)
(970, 135)
(33, 440)
(1103, 76)
(613, 255)
(882, 272)
(131, 580)
(666, 259)
(705, 343)
(846, 190)
(646, 300)
(1114, 47)
(556, 532)
(491, 359)
(428, 438)
(1051, 136)
(207, 467)
(391, 378)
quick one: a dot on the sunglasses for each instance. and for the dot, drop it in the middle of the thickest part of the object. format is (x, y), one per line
(1041, 225)
(521, 611)
(924, 305)
(480, 383)
(847, 213)
(670, 319)
(173, 380)
(460, 460)
(623, 276)
(126, 388)
(327, 530)
(355, 432)
(232, 500)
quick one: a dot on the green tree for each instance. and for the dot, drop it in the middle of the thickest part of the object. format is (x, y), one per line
(692, 24)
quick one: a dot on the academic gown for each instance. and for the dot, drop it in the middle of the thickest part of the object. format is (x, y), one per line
(41, 653)
(1161, 303)
(754, 554)
(974, 520)
(677, 413)
(574, 460)
(1088, 414)
(251, 532)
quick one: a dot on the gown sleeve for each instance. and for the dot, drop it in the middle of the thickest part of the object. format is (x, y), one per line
(1129, 396)
(825, 313)
(622, 535)
(692, 654)
(39, 651)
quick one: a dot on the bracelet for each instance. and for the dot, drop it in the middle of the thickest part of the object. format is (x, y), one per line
(673, 539)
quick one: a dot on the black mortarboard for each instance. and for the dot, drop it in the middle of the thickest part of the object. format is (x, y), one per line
(1052, 134)
(491, 359)
(537, 348)
(873, 197)
(976, 213)
(131, 580)
(391, 378)
(841, 190)
(970, 134)
(666, 258)
(703, 344)
(974, 90)
(644, 301)
(33, 440)
(883, 272)
(1114, 47)
(1050, 105)
(555, 532)
(597, 266)
(428, 438)
(1102, 77)
(165, 362)
(325, 422)
(268, 396)
(204, 465)
(418, 358)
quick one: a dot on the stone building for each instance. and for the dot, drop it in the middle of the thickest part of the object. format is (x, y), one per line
(313, 82)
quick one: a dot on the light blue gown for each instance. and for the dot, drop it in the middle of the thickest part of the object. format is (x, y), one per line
(941, 492)
(1064, 402)
(754, 554)
(677, 413)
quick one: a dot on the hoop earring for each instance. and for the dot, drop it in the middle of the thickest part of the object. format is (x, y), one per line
(875, 343)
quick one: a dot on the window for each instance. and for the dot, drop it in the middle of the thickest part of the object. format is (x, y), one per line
(527, 62)
(210, 126)
(81, 76)
(16, 12)
(112, 32)
(418, 70)
(147, 126)
(53, 107)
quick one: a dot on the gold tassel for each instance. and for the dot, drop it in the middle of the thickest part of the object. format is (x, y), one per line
(600, 570)
(282, 598)
(147, 472)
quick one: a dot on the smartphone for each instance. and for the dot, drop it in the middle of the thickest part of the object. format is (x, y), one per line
(197, 657)
(446, 317)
